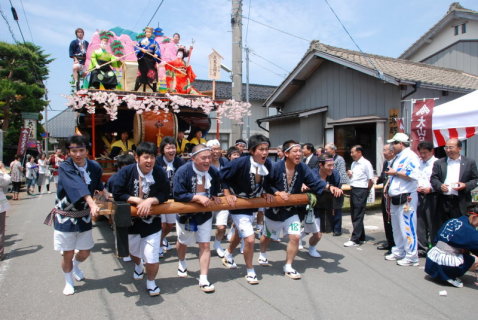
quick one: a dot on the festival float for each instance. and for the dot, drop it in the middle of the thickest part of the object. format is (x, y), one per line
(145, 87)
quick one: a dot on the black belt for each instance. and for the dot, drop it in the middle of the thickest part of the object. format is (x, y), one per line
(449, 196)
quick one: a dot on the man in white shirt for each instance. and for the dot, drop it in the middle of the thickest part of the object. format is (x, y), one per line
(361, 181)
(453, 178)
(402, 191)
(428, 221)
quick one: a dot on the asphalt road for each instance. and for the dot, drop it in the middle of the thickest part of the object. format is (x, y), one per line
(346, 283)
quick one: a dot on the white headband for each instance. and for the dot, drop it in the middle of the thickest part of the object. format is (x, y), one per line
(292, 146)
(199, 151)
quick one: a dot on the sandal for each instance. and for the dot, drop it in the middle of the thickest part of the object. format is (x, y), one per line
(264, 262)
(182, 273)
(207, 287)
(252, 279)
(154, 292)
(293, 275)
(138, 276)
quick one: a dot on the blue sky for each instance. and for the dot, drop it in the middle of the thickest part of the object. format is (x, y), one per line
(381, 27)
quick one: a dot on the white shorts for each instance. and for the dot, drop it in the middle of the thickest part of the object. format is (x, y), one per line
(243, 223)
(68, 241)
(313, 227)
(221, 217)
(168, 218)
(146, 248)
(190, 237)
(274, 228)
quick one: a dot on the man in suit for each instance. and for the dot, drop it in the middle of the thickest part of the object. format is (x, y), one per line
(310, 158)
(389, 155)
(453, 178)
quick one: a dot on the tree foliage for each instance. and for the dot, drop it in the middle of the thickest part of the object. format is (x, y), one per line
(23, 67)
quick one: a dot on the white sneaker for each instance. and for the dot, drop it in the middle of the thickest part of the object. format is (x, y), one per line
(455, 282)
(392, 257)
(351, 243)
(405, 262)
(314, 253)
(78, 274)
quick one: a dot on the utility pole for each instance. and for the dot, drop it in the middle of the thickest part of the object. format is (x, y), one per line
(248, 123)
(236, 24)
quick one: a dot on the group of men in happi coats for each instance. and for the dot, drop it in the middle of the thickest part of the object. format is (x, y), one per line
(150, 179)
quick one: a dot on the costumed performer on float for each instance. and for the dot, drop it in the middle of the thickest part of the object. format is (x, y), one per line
(451, 258)
(148, 54)
(180, 75)
(101, 63)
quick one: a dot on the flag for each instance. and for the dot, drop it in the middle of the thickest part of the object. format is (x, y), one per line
(421, 126)
(23, 141)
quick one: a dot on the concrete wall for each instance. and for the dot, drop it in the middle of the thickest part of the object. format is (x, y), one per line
(445, 38)
(461, 56)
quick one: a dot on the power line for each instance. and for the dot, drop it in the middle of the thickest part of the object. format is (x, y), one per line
(276, 29)
(8, 24)
(273, 63)
(380, 73)
(155, 12)
(282, 75)
(247, 25)
(15, 17)
(141, 15)
(26, 19)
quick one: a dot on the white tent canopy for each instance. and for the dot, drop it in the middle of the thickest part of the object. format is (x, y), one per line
(456, 119)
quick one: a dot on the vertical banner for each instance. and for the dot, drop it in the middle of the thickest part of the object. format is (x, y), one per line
(23, 141)
(421, 125)
(392, 122)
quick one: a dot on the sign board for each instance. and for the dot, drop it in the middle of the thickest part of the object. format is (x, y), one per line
(214, 70)
(421, 126)
(30, 115)
(392, 122)
(32, 125)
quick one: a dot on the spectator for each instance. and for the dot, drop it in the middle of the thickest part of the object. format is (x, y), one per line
(4, 206)
(453, 178)
(389, 155)
(310, 158)
(403, 198)
(339, 165)
(361, 181)
(16, 170)
(428, 221)
(31, 174)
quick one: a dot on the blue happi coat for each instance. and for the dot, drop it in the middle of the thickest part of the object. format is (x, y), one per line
(185, 187)
(236, 177)
(71, 192)
(126, 184)
(278, 180)
(177, 162)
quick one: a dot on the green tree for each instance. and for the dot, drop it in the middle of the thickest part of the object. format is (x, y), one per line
(23, 67)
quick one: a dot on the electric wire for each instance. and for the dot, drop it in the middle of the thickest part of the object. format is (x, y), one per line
(247, 24)
(276, 29)
(8, 25)
(15, 17)
(380, 73)
(141, 15)
(159, 6)
(282, 75)
(26, 20)
(265, 59)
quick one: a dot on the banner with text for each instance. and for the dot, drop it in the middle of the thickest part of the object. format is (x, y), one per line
(421, 125)
(23, 141)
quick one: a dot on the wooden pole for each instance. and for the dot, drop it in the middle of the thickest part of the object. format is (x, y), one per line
(93, 136)
(172, 207)
(217, 118)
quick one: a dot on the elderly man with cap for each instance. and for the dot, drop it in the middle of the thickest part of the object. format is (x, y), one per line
(218, 161)
(451, 258)
(402, 191)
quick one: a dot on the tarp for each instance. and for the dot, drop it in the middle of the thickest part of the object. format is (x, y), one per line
(455, 119)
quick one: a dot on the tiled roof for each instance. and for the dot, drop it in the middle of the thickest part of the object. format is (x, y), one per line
(63, 124)
(257, 92)
(455, 11)
(402, 70)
